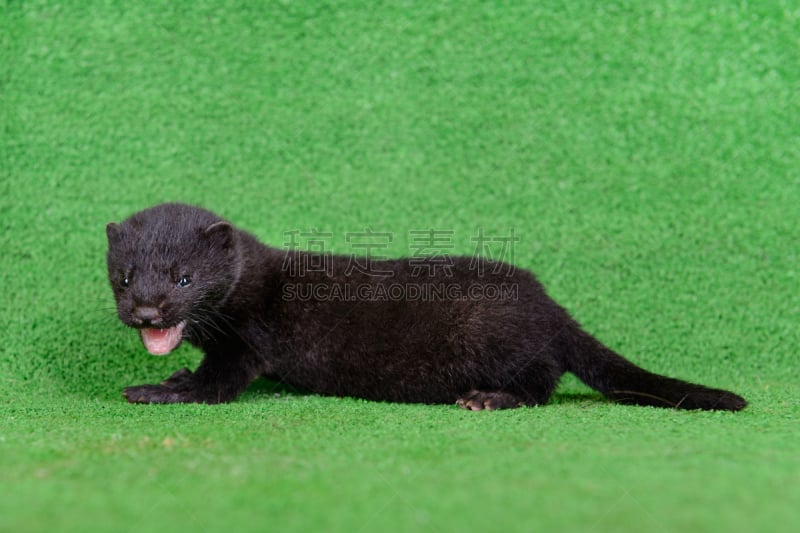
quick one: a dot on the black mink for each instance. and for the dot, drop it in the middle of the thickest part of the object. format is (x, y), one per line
(180, 272)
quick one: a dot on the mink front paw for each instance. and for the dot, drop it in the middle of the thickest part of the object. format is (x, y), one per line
(155, 394)
(178, 388)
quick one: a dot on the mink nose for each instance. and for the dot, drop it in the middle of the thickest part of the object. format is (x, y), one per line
(147, 316)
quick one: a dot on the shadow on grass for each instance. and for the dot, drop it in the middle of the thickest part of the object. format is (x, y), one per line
(266, 388)
(583, 399)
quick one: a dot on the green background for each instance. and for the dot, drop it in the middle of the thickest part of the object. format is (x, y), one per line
(646, 153)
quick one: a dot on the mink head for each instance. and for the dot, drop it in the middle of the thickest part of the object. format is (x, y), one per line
(170, 266)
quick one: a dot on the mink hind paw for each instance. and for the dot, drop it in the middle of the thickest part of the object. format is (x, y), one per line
(476, 400)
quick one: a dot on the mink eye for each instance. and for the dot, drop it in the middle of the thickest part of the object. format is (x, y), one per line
(124, 282)
(185, 281)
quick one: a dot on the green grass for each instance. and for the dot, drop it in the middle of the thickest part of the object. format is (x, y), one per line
(646, 153)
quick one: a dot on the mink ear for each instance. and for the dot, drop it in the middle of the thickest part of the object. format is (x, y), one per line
(220, 234)
(114, 233)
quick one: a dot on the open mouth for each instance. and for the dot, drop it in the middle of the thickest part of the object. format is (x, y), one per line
(162, 341)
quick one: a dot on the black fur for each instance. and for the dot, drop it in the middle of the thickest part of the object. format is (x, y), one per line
(483, 353)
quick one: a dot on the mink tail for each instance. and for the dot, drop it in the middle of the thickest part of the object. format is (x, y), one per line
(620, 380)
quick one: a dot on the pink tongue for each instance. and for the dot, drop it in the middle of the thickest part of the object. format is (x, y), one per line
(162, 341)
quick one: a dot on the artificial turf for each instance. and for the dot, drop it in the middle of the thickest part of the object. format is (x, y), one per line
(646, 154)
